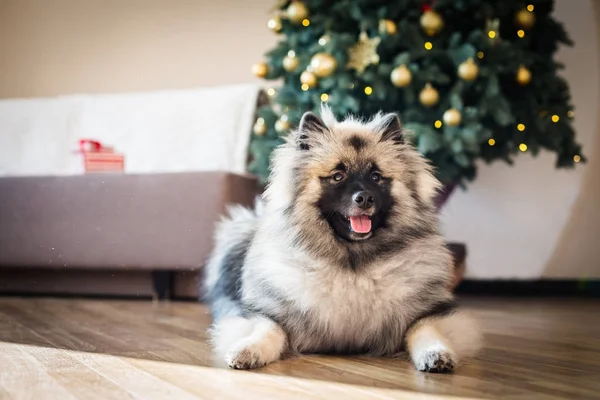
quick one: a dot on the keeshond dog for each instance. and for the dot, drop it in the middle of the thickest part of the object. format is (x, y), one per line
(341, 255)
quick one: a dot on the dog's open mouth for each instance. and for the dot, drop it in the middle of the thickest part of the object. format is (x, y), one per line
(359, 223)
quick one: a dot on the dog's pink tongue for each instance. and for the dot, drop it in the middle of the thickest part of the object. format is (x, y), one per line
(360, 224)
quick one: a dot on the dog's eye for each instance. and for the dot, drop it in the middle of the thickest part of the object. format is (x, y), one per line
(338, 177)
(376, 176)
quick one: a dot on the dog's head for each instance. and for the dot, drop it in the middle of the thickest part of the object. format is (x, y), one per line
(361, 178)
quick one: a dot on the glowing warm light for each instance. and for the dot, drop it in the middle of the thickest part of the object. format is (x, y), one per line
(428, 45)
(523, 147)
(521, 127)
(492, 34)
(368, 90)
(324, 97)
(480, 54)
(555, 118)
(521, 33)
(271, 91)
(576, 158)
(491, 142)
(530, 8)
(438, 124)
(305, 22)
(304, 87)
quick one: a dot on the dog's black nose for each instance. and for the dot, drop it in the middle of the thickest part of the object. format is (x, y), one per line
(364, 199)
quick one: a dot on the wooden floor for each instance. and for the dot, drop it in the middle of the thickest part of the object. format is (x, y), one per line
(104, 349)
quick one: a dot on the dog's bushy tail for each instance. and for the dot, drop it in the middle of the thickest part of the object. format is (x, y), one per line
(222, 279)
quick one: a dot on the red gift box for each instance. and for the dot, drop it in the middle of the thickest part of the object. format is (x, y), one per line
(99, 158)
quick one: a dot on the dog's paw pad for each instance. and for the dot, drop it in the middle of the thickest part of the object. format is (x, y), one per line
(244, 358)
(437, 362)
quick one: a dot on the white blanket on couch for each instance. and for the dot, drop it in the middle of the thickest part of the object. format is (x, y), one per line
(171, 131)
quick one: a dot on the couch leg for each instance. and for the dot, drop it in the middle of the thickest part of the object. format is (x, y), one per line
(162, 283)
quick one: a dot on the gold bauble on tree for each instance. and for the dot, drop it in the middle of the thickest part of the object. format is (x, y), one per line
(387, 26)
(452, 117)
(525, 19)
(429, 96)
(468, 70)
(282, 125)
(431, 22)
(297, 11)
(308, 78)
(260, 127)
(260, 69)
(523, 76)
(274, 24)
(401, 76)
(290, 62)
(323, 64)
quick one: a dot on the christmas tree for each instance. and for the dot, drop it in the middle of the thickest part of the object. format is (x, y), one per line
(471, 79)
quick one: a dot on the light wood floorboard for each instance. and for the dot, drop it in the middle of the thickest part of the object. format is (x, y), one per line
(112, 349)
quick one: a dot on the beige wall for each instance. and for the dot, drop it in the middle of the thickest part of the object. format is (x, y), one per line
(53, 47)
(526, 221)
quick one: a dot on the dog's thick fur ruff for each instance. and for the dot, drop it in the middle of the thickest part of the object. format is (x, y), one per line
(281, 281)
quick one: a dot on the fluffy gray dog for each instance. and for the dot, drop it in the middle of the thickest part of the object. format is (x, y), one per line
(342, 255)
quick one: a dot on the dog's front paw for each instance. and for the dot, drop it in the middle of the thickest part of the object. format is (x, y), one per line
(435, 361)
(246, 357)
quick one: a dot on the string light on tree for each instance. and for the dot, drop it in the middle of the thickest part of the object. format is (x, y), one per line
(523, 76)
(297, 12)
(368, 90)
(274, 24)
(480, 55)
(576, 158)
(452, 117)
(323, 64)
(523, 147)
(437, 124)
(305, 22)
(520, 127)
(260, 69)
(492, 27)
(387, 27)
(468, 70)
(324, 97)
(521, 33)
(309, 79)
(491, 142)
(429, 96)
(428, 45)
(555, 118)
(290, 62)
(431, 22)
(323, 40)
(271, 92)
(401, 76)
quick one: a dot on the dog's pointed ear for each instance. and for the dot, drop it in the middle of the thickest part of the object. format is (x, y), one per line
(310, 124)
(390, 127)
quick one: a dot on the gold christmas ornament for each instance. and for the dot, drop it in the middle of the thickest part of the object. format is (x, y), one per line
(297, 12)
(387, 26)
(431, 22)
(468, 70)
(274, 24)
(525, 19)
(260, 128)
(309, 79)
(282, 125)
(401, 76)
(452, 117)
(363, 53)
(323, 64)
(523, 76)
(429, 96)
(260, 69)
(290, 62)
